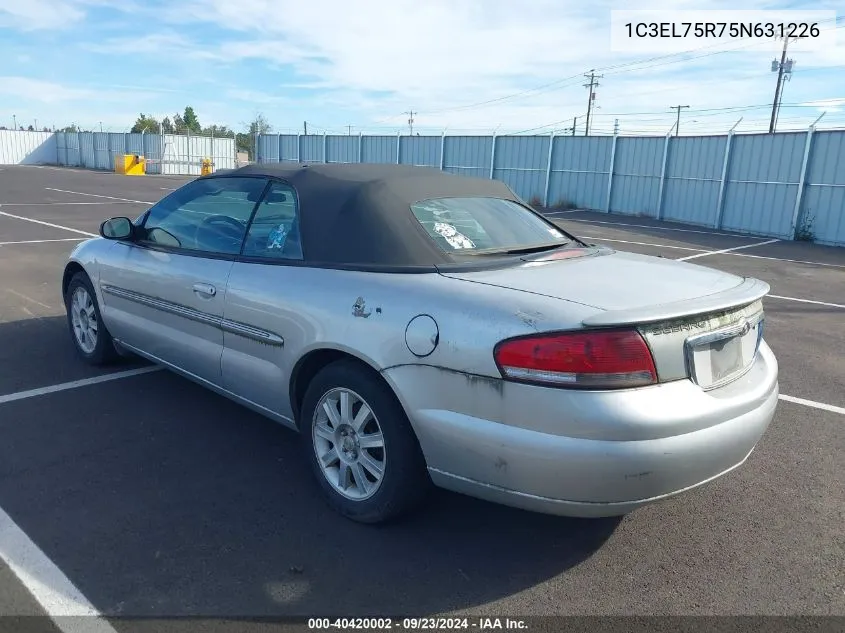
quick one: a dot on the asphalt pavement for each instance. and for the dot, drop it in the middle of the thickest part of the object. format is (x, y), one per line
(157, 498)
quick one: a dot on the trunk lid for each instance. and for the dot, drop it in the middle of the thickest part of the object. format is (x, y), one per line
(610, 280)
(698, 322)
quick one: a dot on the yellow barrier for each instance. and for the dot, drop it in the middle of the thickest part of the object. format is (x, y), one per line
(206, 167)
(130, 165)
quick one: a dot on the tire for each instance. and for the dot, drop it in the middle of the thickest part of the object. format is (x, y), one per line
(96, 347)
(404, 482)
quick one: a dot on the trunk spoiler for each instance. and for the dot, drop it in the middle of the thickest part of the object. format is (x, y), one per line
(748, 291)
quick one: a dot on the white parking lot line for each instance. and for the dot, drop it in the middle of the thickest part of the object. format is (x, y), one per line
(814, 404)
(64, 386)
(726, 250)
(55, 226)
(30, 299)
(64, 239)
(703, 250)
(818, 303)
(57, 204)
(58, 596)
(656, 228)
(791, 261)
(680, 248)
(97, 195)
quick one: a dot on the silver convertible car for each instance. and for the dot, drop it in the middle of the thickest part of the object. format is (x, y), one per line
(420, 328)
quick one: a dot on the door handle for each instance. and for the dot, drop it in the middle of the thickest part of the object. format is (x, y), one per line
(205, 289)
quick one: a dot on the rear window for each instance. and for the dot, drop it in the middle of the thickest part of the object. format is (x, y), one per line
(483, 224)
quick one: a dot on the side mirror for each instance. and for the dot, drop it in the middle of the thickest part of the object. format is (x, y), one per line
(117, 229)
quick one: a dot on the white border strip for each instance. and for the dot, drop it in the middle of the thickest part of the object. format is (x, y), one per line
(54, 591)
(725, 250)
(96, 195)
(55, 226)
(64, 386)
(812, 403)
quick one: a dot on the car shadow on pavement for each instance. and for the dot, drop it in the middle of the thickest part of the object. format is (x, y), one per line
(38, 352)
(157, 497)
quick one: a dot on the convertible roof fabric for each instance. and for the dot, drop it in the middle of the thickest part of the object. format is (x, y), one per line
(360, 214)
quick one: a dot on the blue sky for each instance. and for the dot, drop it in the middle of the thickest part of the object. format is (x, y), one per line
(464, 66)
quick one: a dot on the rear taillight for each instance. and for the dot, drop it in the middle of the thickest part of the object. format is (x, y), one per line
(609, 359)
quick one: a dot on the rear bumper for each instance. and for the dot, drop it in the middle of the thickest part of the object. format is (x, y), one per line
(557, 473)
(548, 505)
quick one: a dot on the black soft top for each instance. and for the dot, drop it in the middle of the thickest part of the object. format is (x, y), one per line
(359, 214)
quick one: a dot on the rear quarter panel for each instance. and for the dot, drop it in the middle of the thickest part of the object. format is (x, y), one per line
(366, 315)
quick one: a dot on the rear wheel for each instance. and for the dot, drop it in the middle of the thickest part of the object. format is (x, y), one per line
(90, 336)
(361, 446)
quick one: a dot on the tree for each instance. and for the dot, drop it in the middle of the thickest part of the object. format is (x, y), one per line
(46, 129)
(245, 141)
(146, 124)
(260, 125)
(178, 124)
(70, 128)
(30, 128)
(191, 121)
(166, 126)
(217, 131)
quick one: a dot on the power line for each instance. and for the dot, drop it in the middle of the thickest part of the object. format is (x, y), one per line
(508, 96)
(632, 66)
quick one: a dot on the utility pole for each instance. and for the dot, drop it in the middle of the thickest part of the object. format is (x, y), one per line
(784, 67)
(615, 127)
(101, 127)
(574, 119)
(14, 122)
(678, 121)
(349, 130)
(592, 84)
(411, 114)
(305, 128)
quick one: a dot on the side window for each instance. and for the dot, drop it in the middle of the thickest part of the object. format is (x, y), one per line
(207, 215)
(274, 232)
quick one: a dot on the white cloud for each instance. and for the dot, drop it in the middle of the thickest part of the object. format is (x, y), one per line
(32, 15)
(27, 89)
(366, 62)
(827, 105)
(440, 55)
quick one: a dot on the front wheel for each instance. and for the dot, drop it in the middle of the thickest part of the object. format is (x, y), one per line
(361, 446)
(90, 336)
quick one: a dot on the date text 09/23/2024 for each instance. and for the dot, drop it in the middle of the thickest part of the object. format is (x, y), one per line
(418, 624)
